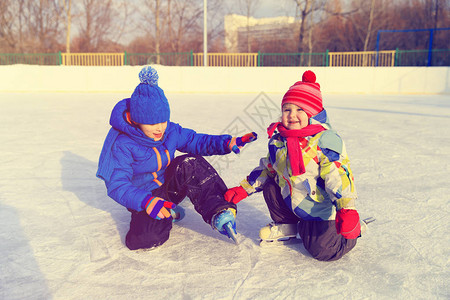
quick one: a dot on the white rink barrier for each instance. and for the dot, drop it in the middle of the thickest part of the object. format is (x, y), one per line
(343, 80)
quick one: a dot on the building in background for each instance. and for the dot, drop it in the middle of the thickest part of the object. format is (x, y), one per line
(244, 34)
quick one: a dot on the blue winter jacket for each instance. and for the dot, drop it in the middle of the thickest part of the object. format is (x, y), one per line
(133, 165)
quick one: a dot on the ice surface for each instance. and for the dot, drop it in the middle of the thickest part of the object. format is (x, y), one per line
(63, 238)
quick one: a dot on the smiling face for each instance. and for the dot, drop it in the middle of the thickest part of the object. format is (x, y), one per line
(154, 131)
(293, 117)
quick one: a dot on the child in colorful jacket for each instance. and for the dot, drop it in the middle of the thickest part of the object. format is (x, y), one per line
(141, 172)
(306, 179)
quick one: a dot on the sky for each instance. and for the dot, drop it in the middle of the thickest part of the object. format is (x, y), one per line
(270, 8)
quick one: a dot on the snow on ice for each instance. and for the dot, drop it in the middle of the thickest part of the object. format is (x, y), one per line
(63, 238)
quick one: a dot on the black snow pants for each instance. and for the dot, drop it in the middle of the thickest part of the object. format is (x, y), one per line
(319, 238)
(187, 175)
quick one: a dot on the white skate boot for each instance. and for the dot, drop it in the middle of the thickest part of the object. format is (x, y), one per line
(275, 233)
(364, 223)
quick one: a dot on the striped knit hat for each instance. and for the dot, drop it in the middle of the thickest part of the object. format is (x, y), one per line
(305, 94)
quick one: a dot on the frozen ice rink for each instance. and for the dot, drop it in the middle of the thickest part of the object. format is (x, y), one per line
(63, 238)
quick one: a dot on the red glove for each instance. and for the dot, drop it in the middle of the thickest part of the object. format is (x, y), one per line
(235, 194)
(347, 223)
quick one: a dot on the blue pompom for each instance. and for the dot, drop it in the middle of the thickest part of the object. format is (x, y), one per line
(148, 75)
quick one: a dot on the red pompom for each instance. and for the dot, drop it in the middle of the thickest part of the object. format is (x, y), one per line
(309, 76)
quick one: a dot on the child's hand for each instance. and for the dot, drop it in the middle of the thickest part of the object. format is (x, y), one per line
(158, 208)
(236, 143)
(235, 194)
(347, 223)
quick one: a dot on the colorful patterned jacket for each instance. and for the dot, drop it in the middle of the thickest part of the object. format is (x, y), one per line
(327, 183)
(133, 165)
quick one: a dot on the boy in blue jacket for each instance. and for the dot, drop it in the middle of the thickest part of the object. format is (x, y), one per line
(141, 172)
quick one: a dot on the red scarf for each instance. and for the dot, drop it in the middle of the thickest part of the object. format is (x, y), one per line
(293, 143)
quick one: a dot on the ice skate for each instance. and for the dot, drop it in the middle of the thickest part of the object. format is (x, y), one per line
(275, 233)
(225, 222)
(364, 223)
(177, 214)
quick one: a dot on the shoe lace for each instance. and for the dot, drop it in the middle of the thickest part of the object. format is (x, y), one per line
(274, 229)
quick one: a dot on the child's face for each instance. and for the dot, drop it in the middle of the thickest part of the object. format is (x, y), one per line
(293, 117)
(154, 131)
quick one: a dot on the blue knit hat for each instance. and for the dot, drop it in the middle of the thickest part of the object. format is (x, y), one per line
(148, 104)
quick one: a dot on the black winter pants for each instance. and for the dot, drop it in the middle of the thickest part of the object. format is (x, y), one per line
(187, 175)
(319, 238)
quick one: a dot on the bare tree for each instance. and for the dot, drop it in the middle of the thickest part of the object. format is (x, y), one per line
(44, 24)
(180, 25)
(95, 24)
(369, 26)
(152, 17)
(304, 11)
(310, 39)
(248, 7)
(68, 10)
(30, 26)
(366, 20)
(187, 24)
(101, 25)
(158, 31)
(411, 14)
(10, 25)
(176, 25)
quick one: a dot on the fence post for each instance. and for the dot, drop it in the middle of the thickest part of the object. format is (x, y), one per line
(125, 60)
(430, 48)
(378, 46)
(327, 61)
(259, 59)
(396, 57)
(60, 57)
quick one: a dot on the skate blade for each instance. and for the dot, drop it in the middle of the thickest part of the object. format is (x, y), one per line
(369, 220)
(230, 232)
(364, 225)
(279, 242)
